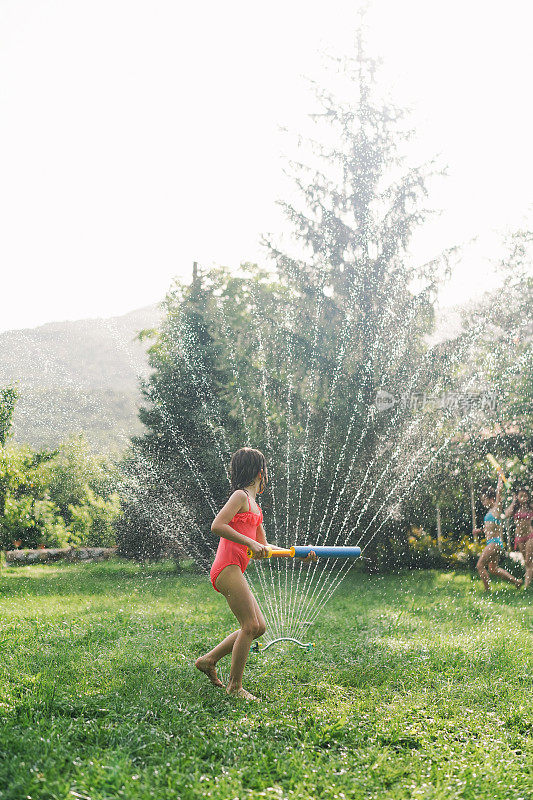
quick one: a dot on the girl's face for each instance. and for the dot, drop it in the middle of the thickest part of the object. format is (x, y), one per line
(263, 480)
(523, 498)
(487, 501)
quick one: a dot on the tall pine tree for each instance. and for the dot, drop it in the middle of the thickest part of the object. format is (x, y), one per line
(175, 476)
(359, 321)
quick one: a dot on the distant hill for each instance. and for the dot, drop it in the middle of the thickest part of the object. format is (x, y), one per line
(84, 376)
(78, 376)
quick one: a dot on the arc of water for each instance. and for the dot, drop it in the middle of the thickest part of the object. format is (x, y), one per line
(327, 572)
(393, 315)
(321, 583)
(338, 363)
(321, 600)
(200, 378)
(287, 599)
(320, 538)
(296, 534)
(195, 469)
(289, 424)
(289, 333)
(391, 424)
(472, 381)
(323, 537)
(313, 377)
(345, 568)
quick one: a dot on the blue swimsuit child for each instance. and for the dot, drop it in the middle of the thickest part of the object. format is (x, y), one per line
(489, 517)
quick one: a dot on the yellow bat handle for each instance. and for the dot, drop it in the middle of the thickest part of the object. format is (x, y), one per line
(497, 467)
(289, 553)
(274, 553)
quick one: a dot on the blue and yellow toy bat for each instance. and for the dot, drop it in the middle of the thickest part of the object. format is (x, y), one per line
(302, 551)
(497, 467)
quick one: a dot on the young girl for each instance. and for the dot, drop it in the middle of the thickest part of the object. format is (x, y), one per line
(240, 526)
(492, 500)
(520, 509)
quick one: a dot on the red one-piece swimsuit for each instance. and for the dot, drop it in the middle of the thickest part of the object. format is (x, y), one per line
(228, 552)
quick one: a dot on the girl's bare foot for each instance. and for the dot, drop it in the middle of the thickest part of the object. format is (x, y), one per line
(242, 693)
(208, 668)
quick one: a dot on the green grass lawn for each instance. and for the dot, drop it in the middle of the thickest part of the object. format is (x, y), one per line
(419, 687)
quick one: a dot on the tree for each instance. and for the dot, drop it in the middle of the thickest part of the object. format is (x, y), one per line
(504, 351)
(358, 323)
(8, 400)
(176, 475)
(492, 354)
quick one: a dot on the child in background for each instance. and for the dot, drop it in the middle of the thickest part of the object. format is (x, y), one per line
(489, 558)
(522, 513)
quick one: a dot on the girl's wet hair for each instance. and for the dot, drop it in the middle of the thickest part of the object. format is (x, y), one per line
(488, 491)
(245, 466)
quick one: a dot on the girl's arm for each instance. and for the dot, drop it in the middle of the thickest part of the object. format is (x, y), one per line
(261, 537)
(510, 509)
(499, 498)
(221, 526)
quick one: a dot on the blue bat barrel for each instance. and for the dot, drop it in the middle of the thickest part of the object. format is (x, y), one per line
(327, 552)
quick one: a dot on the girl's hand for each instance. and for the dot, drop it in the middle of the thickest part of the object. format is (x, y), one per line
(258, 550)
(477, 531)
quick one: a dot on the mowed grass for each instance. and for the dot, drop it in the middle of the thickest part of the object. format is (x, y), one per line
(419, 687)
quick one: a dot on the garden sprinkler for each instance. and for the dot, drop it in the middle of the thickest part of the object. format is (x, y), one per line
(260, 647)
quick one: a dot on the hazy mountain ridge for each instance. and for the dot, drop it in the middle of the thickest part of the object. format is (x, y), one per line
(78, 376)
(84, 376)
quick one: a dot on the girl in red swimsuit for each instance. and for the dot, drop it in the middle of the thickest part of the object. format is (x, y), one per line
(522, 513)
(240, 526)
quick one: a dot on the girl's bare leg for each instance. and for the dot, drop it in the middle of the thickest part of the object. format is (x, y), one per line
(494, 569)
(489, 553)
(208, 662)
(529, 563)
(232, 584)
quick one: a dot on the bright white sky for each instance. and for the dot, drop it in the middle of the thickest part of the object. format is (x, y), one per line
(139, 135)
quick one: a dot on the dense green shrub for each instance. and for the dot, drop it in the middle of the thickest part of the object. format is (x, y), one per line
(91, 523)
(56, 498)
(424, 553)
